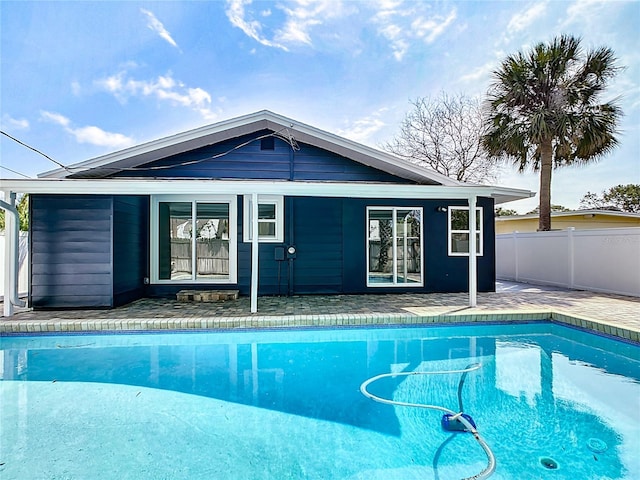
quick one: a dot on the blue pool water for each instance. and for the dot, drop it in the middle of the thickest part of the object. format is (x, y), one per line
(287, 404)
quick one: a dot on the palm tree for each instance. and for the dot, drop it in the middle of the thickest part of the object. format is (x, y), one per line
(543, 110)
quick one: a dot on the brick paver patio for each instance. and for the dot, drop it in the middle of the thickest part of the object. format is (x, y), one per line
(611, 314)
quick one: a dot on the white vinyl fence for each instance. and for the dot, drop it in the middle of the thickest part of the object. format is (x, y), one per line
(23, 280)
(602, 260)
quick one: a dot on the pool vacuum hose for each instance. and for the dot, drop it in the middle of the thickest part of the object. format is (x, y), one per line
(453, 421)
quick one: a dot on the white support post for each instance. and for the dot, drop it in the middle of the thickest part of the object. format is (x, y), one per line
(254, 253)
(8, 262)
(473, 264)
(11, 252)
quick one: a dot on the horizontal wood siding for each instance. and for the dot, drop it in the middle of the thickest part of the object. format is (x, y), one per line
(130, 247)
(318, 237)
(70, 243)
(311, 163)
(225, 161)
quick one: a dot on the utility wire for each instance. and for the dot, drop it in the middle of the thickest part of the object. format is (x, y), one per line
(289, 139)
(14, 171)
(35, 150)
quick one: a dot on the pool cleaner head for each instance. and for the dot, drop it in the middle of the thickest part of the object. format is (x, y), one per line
(451, 423)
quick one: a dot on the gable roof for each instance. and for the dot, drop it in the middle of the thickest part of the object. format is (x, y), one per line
(106, 165)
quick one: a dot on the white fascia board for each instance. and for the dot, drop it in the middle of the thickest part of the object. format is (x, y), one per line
(241, 187)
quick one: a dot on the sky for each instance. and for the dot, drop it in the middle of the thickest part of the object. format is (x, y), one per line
(80, 79)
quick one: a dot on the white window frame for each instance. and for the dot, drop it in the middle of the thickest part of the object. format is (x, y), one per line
(231, 200)
(479, 232)
(278, 201)
(395, 283)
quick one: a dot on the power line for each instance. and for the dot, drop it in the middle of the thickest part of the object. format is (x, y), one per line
(35, 150)
(14, 171)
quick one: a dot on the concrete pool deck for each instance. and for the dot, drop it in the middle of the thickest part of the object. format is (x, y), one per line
(614, 315)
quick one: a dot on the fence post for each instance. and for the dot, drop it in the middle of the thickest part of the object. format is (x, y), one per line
(571, 256)
(515, 253)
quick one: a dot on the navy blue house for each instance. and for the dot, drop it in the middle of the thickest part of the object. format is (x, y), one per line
(261, 204)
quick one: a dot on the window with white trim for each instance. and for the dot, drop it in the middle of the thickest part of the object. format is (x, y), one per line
(193, 240)
(394, 247)
(458, 218)
(270, 218)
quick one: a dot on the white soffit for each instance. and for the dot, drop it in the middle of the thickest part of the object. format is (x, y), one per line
(243, 187)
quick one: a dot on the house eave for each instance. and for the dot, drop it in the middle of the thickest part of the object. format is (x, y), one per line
(240, 187)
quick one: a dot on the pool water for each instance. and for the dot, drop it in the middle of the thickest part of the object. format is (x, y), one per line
(551, 402)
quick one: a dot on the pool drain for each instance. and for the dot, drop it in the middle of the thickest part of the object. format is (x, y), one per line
(549, 463)
(596, 445)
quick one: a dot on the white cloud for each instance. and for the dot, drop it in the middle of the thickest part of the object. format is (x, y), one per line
(55, 118)
(586, 11)
(10, 123)
(480, 73)
(432, 28)
(252, 28)
(156, 25)
(300, 17)
(522, 20)
(402, 23)
(363, 129)
(164, 88)
(89, 134)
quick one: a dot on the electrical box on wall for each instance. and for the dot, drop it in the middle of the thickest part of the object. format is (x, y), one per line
(291, 251)
(279, 254)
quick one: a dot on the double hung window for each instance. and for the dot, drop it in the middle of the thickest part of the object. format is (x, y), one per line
(394, 246)
(459, 231)
(270, 219)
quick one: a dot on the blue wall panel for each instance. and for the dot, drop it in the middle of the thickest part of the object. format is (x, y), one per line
(70, 243)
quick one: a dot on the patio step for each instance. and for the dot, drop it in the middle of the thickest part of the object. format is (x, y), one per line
(207, 295)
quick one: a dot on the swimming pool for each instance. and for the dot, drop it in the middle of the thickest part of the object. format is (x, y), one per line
(287, 404)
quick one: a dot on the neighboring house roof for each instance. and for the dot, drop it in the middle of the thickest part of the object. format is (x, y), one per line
(244, 125)
(591, 213)
(579, 219)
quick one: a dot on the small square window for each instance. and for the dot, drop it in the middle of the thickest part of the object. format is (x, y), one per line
(270, 219)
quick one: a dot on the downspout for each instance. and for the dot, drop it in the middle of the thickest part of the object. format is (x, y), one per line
(11, 256)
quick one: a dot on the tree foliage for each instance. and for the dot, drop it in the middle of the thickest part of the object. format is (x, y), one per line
(624, 198)
(23, 212)
(505, 212)
(544, 110)
(444, 133)
(554, 208)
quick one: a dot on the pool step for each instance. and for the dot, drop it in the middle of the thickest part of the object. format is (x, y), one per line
(207, 295)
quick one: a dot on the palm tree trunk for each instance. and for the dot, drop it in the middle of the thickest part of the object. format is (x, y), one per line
(546, 166)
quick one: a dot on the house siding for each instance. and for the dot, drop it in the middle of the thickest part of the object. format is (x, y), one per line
(250, 162)
(70, 244)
